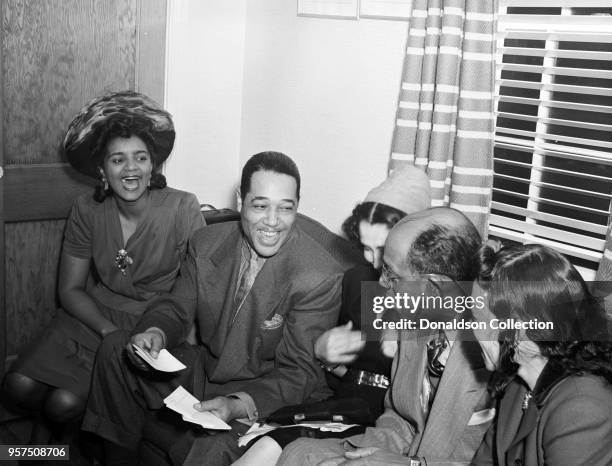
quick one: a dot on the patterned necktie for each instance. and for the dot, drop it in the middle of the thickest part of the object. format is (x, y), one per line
(247, 278)
(435, 349)
(436, 361)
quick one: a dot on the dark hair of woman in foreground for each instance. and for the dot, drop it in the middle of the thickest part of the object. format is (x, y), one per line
(535, 282)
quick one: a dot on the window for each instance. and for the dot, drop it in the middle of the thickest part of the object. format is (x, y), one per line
(553, 139)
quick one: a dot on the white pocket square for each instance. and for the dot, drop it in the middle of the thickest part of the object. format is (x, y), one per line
(480, 417)
(275, 322)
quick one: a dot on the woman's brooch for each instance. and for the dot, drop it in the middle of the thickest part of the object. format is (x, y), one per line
(123, 260)
(526, 399)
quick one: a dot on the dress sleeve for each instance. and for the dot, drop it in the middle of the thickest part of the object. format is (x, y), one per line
(77, 236)
(188, 220)
(173, 313)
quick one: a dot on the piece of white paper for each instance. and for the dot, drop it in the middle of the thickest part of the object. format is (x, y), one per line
(165, 362)
(255, 430)
(258, 429)
(181, 401)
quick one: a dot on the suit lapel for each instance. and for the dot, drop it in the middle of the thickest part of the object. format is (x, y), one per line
(464, 379)
(550, 376)
(528, 423)
(511, 413)
(219, 274)
(408, 382)
(260, 303)
(266, 292)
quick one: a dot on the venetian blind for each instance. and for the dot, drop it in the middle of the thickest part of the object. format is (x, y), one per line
(553, 140)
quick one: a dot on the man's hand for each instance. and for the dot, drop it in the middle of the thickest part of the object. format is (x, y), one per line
(367, 456)
(151, 341)
(351, 457)
(360, 452)
(340, 345)
(223, 407)
(389, 342)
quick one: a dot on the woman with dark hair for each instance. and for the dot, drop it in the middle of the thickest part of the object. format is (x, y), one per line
(554, 364)
(359, 369)
(370, 213)
(121, 248)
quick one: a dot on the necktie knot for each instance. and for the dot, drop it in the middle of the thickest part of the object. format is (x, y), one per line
(435, 350)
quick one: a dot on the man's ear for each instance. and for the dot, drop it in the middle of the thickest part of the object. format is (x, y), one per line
(238, 200)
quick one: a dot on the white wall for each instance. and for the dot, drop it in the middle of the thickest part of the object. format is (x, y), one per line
(259, 77)
(205, 58)
(323, 91)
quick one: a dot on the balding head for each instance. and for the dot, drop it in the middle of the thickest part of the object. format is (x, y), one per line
(436, 240)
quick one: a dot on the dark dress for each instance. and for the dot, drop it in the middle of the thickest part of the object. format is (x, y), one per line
(364, 400)
(567, 421)
(63, 355)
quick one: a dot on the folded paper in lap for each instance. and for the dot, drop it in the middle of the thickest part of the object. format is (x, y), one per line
(181, 401)
(165, 362)
(259, 429)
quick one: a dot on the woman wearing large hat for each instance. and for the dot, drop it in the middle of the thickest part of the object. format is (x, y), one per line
(122, 247)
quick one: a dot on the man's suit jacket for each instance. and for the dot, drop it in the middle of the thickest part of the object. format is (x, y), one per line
(266, 348)
(460, 414)
(568, 423)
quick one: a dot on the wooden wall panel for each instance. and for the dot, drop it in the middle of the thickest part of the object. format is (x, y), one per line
(50, 194)
(57, 55)
(31, 271)
(150, 49)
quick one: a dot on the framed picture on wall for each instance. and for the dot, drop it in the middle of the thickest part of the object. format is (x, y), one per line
(385, 9)
(345, 9)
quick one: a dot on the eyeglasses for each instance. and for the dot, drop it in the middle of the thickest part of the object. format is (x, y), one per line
(388, 279)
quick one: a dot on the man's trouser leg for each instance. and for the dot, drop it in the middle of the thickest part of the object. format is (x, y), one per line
(121, 396)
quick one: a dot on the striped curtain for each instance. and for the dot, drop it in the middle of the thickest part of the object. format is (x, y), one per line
(445, 120)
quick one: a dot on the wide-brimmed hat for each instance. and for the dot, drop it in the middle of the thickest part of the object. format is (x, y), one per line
(406, 189)
(130, 108)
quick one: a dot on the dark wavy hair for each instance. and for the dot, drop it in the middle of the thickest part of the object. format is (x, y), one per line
(269, 161)
(126, 128)
(373, 213)
(532, 281)
(448, 250)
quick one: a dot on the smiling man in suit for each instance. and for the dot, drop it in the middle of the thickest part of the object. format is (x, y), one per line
(262, 290)
(438, 408)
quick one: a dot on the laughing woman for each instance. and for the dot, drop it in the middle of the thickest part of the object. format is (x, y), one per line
(122, 247)
(556, 383)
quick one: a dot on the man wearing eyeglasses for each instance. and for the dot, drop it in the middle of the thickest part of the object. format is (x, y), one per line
(438, 408)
